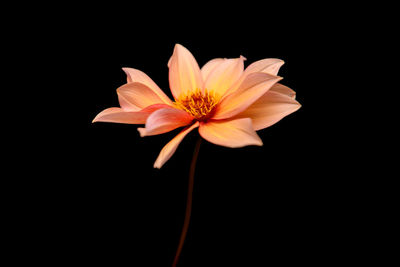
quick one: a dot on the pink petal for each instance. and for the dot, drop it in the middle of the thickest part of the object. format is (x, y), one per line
(170, 148)
(224, 75)
(119, 115)
(268, 65)
(210, 66)
(134, 75)
(136, 96)
(269, 109)
(165, 120)
(280, 88)
(230, 133)
(184, 72)
(253, 87)
(126, 104)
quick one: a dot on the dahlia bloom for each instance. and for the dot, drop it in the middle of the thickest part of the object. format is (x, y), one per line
(226, 102)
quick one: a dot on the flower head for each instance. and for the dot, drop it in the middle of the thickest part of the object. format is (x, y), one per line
(225, 101)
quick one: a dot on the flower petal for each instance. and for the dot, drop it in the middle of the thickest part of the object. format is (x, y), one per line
(165, 120)
(119, 115)
(126, 104)
(224, 75)
(134, 75)
(230, 133)
(170, 148)
(253, 87)
(269, 109)
(184, 72)
(268, 65)
(210, 66)
(280, 88)
(136, 96)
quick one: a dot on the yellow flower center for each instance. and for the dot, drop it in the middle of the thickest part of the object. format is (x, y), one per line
(200, 104)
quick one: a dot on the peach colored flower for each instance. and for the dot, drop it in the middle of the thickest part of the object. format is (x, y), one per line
(226, 102)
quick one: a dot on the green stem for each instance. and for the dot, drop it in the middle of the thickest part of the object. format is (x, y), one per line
(188, 202)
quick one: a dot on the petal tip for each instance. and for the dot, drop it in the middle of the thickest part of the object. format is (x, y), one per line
(297, 106)
(128, 76)
(178, 45)
(257, 141)
(157, 165)
(97, 118)
(142, 132)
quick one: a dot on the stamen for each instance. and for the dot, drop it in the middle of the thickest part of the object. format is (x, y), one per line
(200, 104)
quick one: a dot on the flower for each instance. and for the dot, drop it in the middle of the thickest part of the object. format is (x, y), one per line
(226, 102)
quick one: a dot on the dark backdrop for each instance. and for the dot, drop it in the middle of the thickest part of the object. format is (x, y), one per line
(102, 202)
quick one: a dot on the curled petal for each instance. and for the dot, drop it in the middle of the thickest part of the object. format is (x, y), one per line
(280, 88)
(170, 148)
(210, 66)
(165, 120)
(136, 96)
(126, 103)
(224, 75)
(230, 133)
(269, 109)
(268, 65)
(184, 72)
(252, 88)
(119, 115)
(134, 75)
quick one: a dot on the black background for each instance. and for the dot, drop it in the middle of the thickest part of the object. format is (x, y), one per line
(97, 198)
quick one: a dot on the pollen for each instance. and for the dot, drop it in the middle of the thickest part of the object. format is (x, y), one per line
(200, 104)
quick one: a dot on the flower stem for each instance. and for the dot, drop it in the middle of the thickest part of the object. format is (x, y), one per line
(189, 201)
